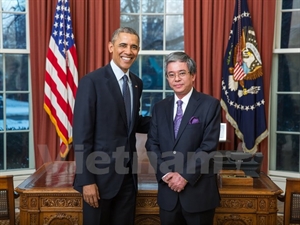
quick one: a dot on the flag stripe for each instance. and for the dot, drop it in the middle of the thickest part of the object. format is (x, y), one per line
(238, 72)
(57, 87)
(61, 75)
(57, 103)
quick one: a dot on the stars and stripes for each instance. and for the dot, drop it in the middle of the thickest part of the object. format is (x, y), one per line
(61, 77)
(238, 72)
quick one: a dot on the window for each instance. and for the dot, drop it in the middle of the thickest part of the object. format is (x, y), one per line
(285, 87)
(160, 26)
(15, 128)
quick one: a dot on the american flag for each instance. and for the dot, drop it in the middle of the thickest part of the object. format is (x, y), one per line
(61, 78)
(242, 81)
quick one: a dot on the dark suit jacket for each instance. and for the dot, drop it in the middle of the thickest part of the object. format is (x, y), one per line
(100, 129)
(189, 154)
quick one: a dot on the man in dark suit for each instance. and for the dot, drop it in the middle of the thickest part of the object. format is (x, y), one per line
(106, 118)
(187, 186)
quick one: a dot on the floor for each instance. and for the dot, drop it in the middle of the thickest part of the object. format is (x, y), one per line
(280, 207)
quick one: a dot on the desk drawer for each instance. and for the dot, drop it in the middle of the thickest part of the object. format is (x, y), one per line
(240, 205)
(229, 219)
(57, 217)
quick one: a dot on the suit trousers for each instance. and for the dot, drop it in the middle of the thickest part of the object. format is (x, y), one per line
(119, 210)
(178, 216)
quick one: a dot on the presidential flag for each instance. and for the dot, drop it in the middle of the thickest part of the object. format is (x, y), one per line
(61, 78)
(242, 81)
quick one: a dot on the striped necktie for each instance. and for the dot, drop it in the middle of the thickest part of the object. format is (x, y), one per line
(178, 117)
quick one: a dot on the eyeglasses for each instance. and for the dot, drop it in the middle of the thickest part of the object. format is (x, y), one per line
(180, 74)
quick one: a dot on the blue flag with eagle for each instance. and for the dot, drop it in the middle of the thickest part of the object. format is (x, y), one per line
(242, 83)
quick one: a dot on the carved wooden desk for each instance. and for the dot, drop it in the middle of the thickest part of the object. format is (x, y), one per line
(240, 205)
(245, 205)
(47, 198)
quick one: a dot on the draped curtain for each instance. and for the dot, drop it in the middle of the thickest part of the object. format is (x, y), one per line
(207, 24)
(93, 23)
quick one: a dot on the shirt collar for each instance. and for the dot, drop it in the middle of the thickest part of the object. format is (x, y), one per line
(118, 72)
(186, 98)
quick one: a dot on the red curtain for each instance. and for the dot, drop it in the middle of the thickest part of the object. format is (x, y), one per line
(206, 27)
(93, 23)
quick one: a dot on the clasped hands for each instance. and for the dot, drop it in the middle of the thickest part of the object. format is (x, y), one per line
(175, 181)
(91, 195)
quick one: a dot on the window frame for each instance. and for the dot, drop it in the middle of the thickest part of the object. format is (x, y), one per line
(277, 50)
(4, 51)
(163, 52)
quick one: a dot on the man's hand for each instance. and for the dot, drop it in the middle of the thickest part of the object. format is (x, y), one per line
(175, 181)
(91, 195)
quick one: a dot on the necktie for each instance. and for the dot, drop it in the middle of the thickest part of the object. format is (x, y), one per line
(127, 99)
(178, 117)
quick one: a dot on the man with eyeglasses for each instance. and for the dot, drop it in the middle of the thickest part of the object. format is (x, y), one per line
(184, 132)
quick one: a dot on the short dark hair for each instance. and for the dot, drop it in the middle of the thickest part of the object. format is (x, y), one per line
(128, 30)
(181, 57)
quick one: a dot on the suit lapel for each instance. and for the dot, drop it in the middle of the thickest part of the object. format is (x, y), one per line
(169, 110)
(192, 106)
(114, 87)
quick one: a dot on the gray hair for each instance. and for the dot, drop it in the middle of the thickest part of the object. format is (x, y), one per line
(181, 57)
(127, 30)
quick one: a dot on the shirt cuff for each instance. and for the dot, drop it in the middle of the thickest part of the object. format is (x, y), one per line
(165, 175)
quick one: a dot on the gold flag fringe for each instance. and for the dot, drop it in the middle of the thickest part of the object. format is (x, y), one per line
(239, 133)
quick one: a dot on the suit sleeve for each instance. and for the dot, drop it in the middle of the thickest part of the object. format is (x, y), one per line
(153, 147)
(143, 124)
(83, 130)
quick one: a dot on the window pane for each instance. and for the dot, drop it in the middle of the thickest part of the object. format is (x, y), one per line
(1, 112)
(174, 6)
(289, 72)
(174, 32)
(14, 30)
(130, 6)
(17, 112)
(152, 72)
(288, 148)
(1, 72)
(148, 101)
(291, 4)
(290, 30)
(135, 67)
(152, 6)
(288, 112)
(167, 85)
(14, 5)
(16, 72)
(1, 151)
(152, 33)
(17, 150)
(169, 94)
(130, 21)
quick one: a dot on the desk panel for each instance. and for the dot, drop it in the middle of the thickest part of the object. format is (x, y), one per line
(47, 197)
